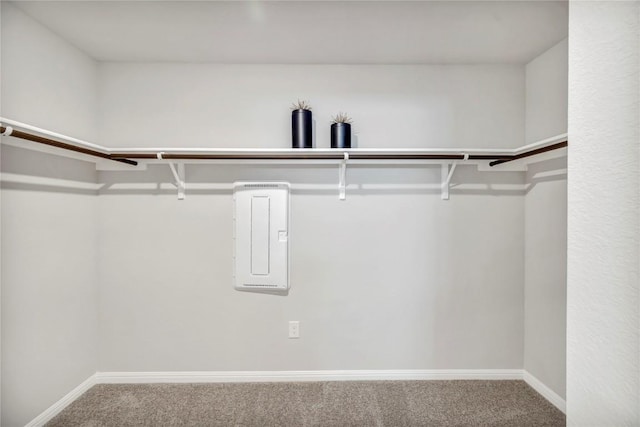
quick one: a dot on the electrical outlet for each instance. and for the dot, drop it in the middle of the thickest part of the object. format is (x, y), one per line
(294, 329)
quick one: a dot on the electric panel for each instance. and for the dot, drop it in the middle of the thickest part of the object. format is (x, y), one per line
(261, 236)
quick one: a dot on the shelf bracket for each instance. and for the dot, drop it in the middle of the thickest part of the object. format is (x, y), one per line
(178, 175)
(342, 185)
(447, 174)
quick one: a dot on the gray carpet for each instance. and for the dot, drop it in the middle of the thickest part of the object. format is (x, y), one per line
(370, 403)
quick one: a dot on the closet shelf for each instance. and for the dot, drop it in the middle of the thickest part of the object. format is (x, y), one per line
(177, 158)
(132, 155)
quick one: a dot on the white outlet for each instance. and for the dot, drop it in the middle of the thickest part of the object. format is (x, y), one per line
(294, 329)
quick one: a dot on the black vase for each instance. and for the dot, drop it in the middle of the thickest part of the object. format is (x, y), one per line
(301, 129)
(341, 135)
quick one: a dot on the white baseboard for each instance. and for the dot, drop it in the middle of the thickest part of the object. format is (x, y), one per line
(296, 376)
(57, 407)
(545, 391)
(281, 376)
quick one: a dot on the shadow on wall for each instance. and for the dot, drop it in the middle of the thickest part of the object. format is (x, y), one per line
(35, 171)
(29, 170)
(314, 179)
(545, 171)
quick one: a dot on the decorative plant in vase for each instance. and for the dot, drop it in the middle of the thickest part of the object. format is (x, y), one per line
(301, 125)
(341, 131)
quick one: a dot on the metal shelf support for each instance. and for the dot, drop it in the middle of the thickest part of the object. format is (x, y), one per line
(447, 174)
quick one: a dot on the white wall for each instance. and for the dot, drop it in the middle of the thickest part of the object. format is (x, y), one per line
(545, 292)
(202, 105)
(603, 374)
(393, 278)
(546, 96)
(45, 81)
(49, 320)
(546, 224)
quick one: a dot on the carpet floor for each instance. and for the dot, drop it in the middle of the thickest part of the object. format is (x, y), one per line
(349, 403)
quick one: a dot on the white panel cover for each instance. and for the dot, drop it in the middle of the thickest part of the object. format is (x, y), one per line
(261, 236)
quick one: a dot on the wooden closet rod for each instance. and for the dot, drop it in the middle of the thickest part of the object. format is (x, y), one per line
(64, 145)
(302, 155)
(529, 153)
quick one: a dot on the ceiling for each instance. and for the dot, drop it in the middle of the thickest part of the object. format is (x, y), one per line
(307, 32)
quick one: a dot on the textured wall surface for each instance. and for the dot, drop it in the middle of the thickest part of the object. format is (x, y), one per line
(603, 376)
(49, 286)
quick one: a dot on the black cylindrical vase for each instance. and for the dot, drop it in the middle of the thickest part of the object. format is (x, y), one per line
(301, 129)
(341, 135)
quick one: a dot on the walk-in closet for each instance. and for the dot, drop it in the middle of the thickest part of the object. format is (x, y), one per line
(319, 213)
